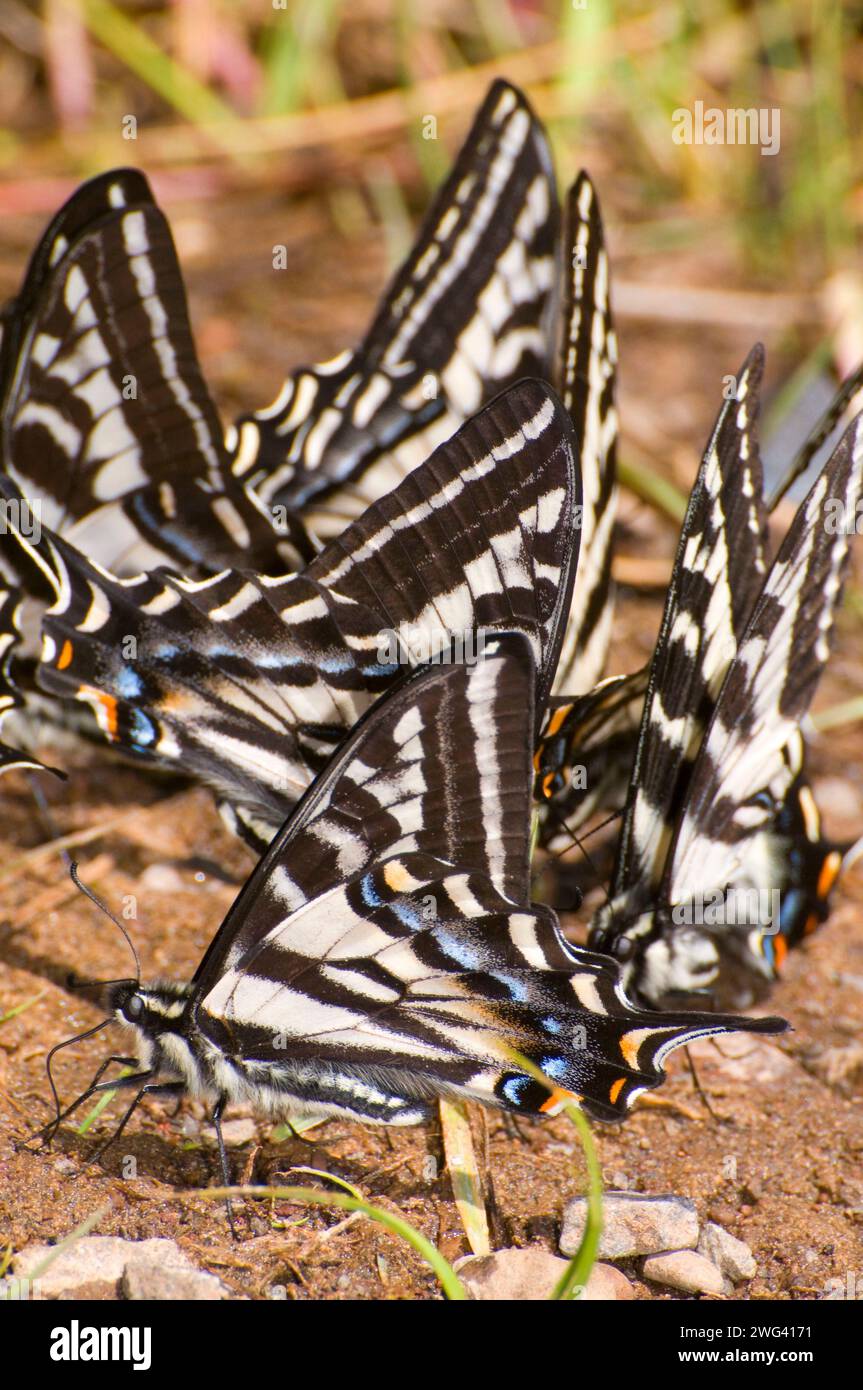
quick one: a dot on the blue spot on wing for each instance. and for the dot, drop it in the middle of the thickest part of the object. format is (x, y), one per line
(515, 987)
(129, 683)
(514, 1089)
(143, 731)
(368, 893)
(379, 669)
(459, 950)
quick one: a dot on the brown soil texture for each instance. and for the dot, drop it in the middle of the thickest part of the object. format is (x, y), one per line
(779, 1164)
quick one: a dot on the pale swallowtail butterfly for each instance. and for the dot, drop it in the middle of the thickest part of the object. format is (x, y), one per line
(385, 952)
(247, 682)
(716, 796)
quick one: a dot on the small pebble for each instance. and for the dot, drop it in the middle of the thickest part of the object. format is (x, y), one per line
(731, 1256)
(531, 1275)
(159, 1271)
(685, 1270)
(634, 1224)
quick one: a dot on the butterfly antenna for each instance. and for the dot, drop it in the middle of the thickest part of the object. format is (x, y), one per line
(45, 812)
(67, 1042)
(579, 844)
(88, 893)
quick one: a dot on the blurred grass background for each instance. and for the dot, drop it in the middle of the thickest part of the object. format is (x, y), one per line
(302, 92)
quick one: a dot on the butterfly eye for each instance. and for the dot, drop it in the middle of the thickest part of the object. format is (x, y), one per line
(623, 948)
(134, 1008)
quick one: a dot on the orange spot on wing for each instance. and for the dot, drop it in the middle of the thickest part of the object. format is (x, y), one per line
(556, 1100)
(829, 873)
(616, 1089)
(65, 656)
(629, 1046)
(780, 952)
(108, 705)
(557, 719)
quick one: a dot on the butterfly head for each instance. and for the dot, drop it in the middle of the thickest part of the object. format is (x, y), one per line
(150, 1009)
(663, 962)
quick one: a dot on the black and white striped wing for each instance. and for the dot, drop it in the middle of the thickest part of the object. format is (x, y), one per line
(10, 695)
(105, 417)
(588, 380)
(770, 685)
(384, 953)
(467, 314)
(248, 681)
(709, 599)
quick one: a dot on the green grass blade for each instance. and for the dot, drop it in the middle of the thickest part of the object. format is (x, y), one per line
(577, 1273)
(650, 487)
(129, 43)
(79, 1232)
(19, 1008)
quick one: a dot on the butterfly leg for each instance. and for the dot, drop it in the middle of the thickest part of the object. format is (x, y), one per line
(46, 1134)
(703, 1096)
(218, 1109)
(162, 1088)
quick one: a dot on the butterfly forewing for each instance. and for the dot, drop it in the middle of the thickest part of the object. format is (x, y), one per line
(106, 418)
(709, 598)
(782, 655)
(588, 389)
(467, 314)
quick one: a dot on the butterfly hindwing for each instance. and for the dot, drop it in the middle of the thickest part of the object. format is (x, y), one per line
(782, 654)
(10, 696)
(588, 380)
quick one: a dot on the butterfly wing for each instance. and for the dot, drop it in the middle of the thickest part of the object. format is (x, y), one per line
(705, 609)
(589, 372)
(771, 683)
(104, 413)
(384, 952)
(467, 314)
(10, 695)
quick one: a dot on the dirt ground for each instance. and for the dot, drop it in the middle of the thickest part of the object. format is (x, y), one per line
(782, 1165)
